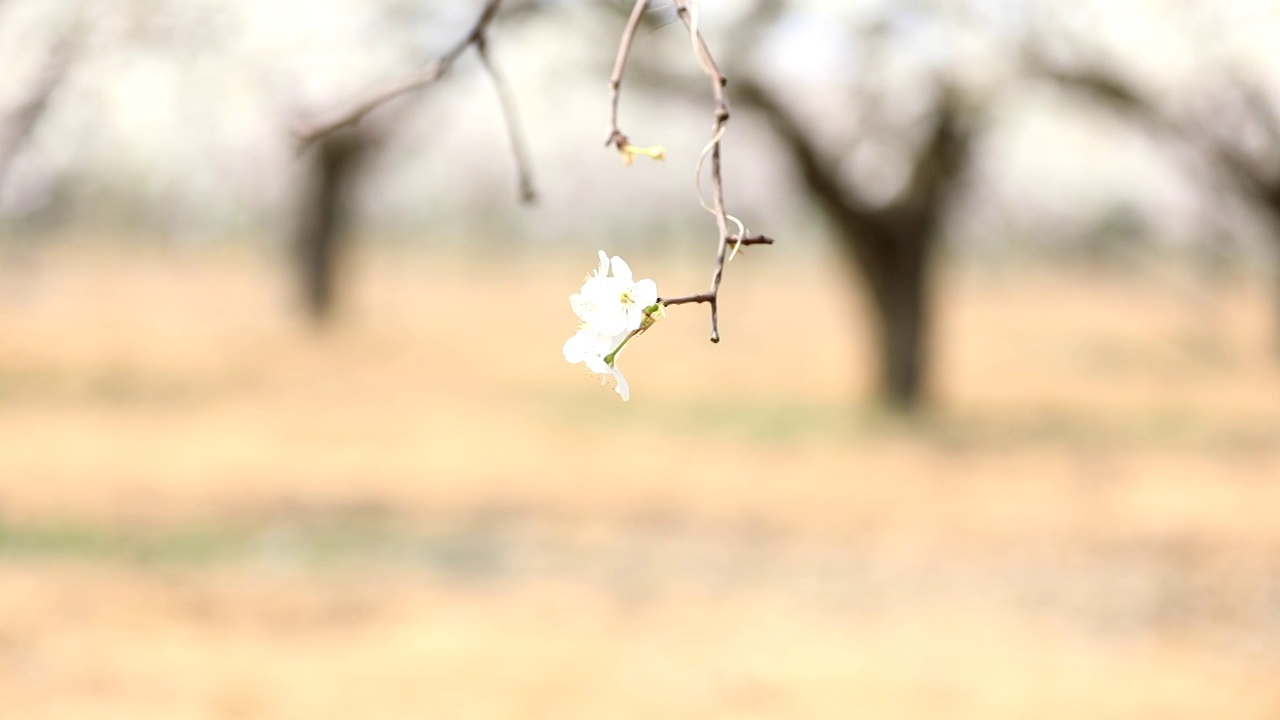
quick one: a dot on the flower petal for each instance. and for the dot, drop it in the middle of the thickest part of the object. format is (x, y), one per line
(577, 348)
(601, 289)
(604, 265)
(645, 292)
(635, 317)
(580, 305)
(622, 388)
(597, 365)
(601, 305)
(621, 269)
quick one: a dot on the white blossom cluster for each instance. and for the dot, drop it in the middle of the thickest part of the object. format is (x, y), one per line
(611, 309)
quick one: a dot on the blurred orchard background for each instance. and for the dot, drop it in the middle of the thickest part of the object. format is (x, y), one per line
(993, 430)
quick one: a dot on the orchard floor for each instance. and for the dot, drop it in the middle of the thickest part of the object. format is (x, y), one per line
(209, 511)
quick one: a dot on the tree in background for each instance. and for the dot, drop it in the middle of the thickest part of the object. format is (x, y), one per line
(1232, 127)
(890, 243)
(319, 252)
(891, 247)
(335, 145)
(888, 127)
(331, 170)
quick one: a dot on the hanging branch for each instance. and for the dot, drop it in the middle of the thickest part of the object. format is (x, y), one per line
(508, 107)
(616, 136)
(17, 126)
(476, 36)
(720, 120)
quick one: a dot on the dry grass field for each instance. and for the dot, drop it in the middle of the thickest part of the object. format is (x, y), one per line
(209, 511)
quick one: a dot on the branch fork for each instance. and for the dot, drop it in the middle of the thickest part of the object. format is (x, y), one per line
(720, 119)
(476, 36)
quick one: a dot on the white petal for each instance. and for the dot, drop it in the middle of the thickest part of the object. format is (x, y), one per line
(621, 269)
(601, 289)
(596, 364)
(622, 387)
(604, 265)
(609, 322)
(645, 292)
(635, 316)
(601, 305)
(581, 307)
(577, 348)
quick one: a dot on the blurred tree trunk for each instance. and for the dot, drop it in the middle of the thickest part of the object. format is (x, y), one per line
(332, 171)
(899, 284)
(890, 246)
(1274, 210)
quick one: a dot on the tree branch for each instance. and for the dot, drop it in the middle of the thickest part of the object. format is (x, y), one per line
(507, 104)
(707, 297)
(818, 172)
(1112, 91)
(17, 127)
(719, 122)
(308, 132)
(615, 136)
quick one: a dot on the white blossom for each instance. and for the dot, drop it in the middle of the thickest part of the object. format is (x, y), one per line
(612, 309)
(592, 348)
(613, 304)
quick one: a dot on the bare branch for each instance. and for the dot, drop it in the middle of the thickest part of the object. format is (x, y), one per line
(505, 101)
(616, 136)
(1126, 100)
(308, 132)
(705, 297)
(711, 152)
(17, 127)
(751, 240)
(720, 119)
(709, 297)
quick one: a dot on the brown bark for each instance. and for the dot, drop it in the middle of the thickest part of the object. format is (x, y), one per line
(891, 247)
(331, 173)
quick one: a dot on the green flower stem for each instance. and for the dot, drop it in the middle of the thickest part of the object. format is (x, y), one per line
(608, 359)
(651, 314)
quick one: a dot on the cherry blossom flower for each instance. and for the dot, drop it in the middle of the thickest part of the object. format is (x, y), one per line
(592, 348)
(612, 309)
(613, 304)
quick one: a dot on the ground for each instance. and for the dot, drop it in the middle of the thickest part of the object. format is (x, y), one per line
(207, 510)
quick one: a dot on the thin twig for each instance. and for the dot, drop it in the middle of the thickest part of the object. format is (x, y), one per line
(507, 104)
(704, 297)
(749, 240)
(616, 136)
(476, 36)
(707, 297)
(16, 129)
(720, 118)
(308, 132)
